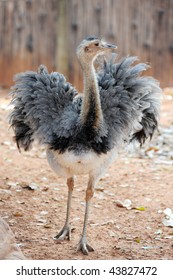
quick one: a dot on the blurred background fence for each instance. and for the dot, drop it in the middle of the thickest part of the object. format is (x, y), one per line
(34, 32)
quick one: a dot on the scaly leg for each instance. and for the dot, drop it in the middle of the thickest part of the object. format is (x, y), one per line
(83, 245)
(66, 230)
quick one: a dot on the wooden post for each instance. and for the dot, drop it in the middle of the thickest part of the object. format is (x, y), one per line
(62, 56)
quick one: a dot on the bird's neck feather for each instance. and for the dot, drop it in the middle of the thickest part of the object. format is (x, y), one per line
(91, 106)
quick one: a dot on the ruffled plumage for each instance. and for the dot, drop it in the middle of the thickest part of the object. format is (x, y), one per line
(47, 108)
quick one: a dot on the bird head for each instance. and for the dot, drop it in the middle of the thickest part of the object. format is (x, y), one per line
(91, 47)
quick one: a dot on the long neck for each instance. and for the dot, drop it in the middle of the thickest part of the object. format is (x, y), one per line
(91, 112)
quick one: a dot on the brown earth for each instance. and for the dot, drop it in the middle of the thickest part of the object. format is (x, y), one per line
(33, 202)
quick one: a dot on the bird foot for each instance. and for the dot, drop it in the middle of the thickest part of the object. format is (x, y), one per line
(65, 232)
(84, 247)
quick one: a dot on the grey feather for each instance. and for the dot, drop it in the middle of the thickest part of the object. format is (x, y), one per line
(130, 103)
(46, 108)
(43, 107)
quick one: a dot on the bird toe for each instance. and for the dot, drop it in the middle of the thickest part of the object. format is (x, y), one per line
(65, 233)
(84, 247)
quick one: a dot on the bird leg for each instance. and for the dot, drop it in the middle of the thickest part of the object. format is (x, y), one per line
(66, 230)
(83, 245)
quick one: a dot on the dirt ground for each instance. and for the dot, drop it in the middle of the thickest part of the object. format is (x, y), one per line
(33, 202)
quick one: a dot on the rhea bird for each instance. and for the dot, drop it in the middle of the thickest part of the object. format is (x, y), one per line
(82, 133)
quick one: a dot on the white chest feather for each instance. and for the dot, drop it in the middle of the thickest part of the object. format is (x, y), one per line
(69, 164)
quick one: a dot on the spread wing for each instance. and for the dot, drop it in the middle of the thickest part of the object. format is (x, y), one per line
(130, 103)
(45, 107)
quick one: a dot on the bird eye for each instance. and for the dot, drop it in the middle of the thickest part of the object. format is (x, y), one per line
(96, 44)
(86, 49)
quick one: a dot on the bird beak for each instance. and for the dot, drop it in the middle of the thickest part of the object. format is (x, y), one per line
(109, 46)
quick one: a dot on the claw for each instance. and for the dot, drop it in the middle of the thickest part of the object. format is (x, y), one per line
(84, 247)
(64, 233)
